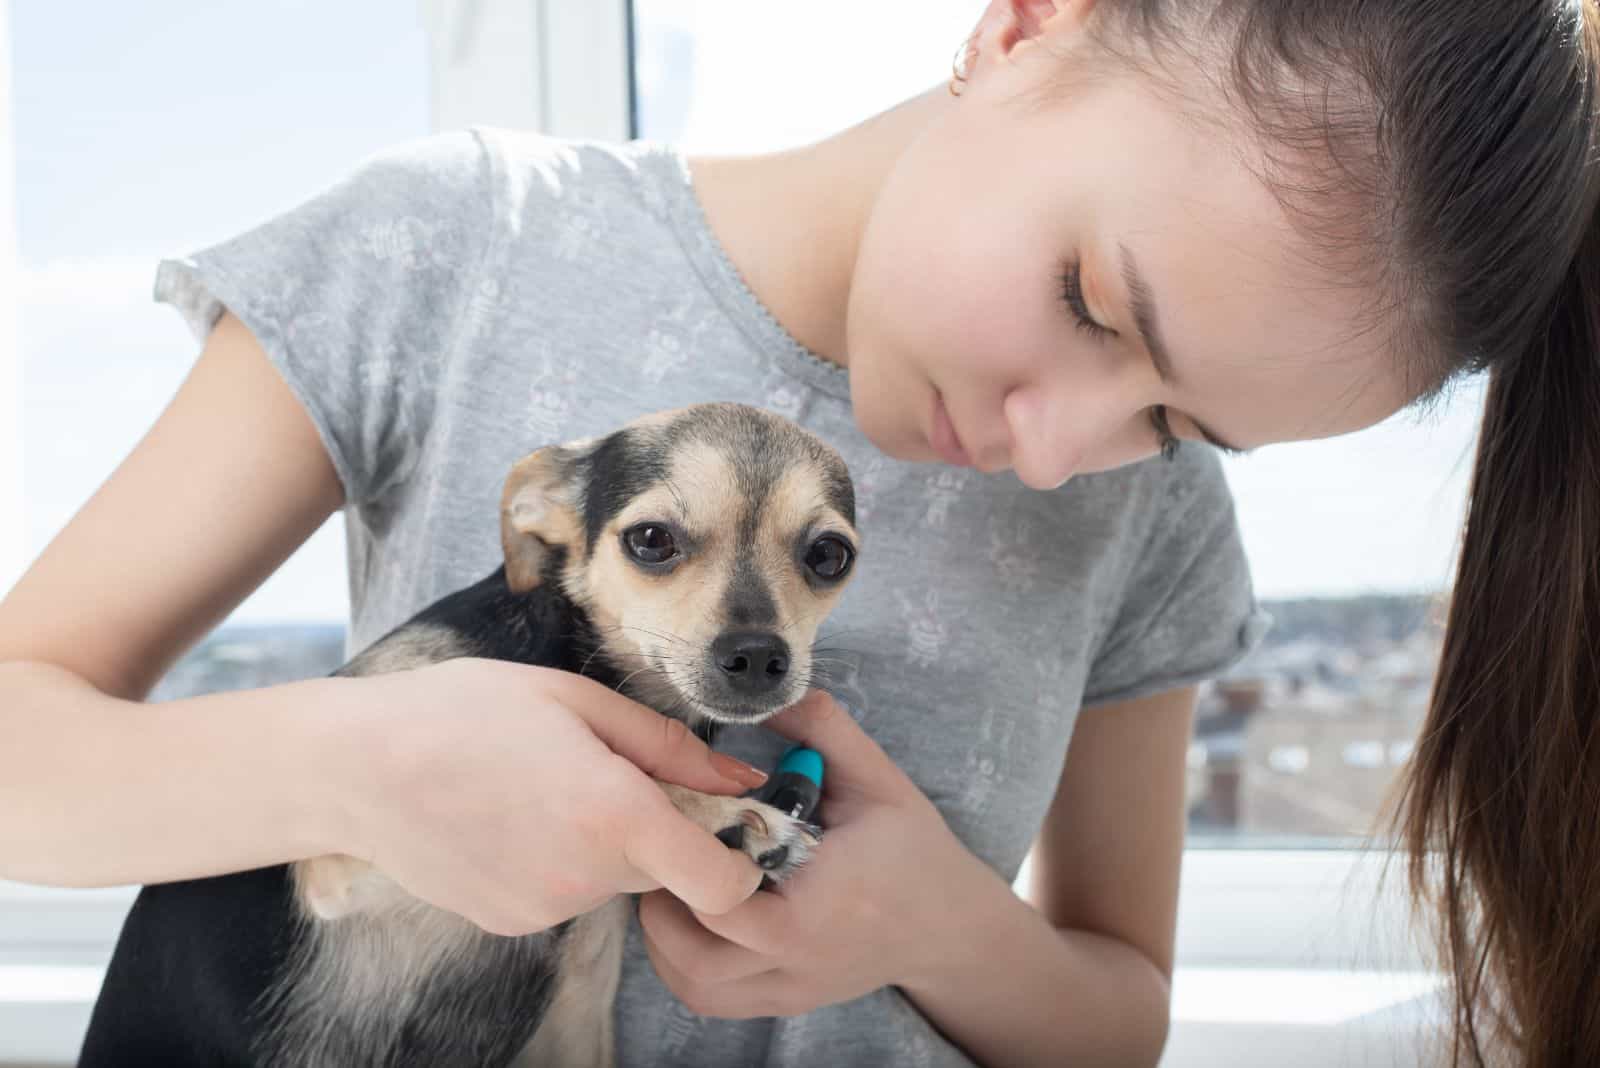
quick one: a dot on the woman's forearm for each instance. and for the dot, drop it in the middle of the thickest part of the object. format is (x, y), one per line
(97, 790)
(1012, 990)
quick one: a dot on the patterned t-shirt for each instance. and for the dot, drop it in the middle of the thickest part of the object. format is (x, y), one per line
(462, 300)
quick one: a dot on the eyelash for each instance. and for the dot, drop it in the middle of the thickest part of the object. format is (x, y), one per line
(1072, 293)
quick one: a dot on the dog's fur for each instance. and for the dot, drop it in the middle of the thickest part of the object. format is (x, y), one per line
(327, 962)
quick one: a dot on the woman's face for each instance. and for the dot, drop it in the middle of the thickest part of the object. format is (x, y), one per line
(1006, 222)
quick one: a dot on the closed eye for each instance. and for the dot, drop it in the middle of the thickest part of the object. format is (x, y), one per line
(1072, 293)
(1206, 436)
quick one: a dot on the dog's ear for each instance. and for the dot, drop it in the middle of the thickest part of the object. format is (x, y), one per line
(539, 511)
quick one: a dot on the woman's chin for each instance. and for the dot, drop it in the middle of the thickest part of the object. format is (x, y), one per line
(906, 443)
(885, 418)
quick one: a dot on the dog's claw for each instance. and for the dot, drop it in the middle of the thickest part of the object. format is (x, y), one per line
(777, 842)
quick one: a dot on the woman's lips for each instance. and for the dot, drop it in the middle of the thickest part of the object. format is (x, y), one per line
(943, 436)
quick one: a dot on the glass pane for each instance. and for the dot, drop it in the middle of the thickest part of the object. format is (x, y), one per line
(155, 129)
(1349, 540)
(729, 76)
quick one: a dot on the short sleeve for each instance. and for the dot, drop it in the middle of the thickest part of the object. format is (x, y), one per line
(1188, 610)
(358, 296)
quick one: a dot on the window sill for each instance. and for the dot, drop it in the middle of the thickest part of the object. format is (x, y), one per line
(1234, 1016)
(1284, 957)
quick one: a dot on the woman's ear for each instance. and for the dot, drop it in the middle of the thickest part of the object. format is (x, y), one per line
(1009, 28)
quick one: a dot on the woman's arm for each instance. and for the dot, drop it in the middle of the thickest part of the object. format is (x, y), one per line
(96, 787)
(230, 480)
(1083, 976)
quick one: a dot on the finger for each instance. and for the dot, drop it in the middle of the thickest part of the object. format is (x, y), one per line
(685, 859)
(853, 758)
(706, 958)
(761, 925)
(729, 1001)
(670, 974)
(659, 745)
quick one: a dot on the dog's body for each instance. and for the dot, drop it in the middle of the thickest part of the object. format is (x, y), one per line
(328, 962)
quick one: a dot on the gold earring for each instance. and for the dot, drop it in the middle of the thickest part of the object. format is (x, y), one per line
(961, 65)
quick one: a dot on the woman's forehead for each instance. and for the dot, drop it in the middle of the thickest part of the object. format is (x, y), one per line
(1275, 334)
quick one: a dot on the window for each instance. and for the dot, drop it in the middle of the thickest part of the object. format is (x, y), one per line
(140, 135)
(1349, 540)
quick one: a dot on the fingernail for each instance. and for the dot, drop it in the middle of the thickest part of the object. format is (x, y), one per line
(738, 771)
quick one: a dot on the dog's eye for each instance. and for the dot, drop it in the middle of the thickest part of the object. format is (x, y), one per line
(829, 557)
(650, 543)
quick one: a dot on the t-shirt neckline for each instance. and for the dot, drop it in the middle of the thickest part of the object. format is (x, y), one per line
(722, 279)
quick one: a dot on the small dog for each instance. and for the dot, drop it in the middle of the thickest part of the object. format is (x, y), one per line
(686, 559)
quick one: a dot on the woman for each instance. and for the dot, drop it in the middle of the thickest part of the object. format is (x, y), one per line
(1127, 223)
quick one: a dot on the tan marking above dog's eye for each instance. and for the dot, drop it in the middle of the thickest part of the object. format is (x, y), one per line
(830, 557)
(650, 543)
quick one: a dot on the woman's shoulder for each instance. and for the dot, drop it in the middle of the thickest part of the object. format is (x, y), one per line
(555, 193)
(534, 164)
(515, 166)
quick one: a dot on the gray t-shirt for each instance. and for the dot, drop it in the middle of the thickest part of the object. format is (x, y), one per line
(461, 300)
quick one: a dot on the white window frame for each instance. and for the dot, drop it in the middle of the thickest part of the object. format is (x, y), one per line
(559, 66)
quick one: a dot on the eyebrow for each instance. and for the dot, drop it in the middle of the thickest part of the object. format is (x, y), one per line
(1143, 303)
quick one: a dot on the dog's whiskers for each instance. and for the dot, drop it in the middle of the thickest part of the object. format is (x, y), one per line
(631, 675)
(598, 649)
(646, 630)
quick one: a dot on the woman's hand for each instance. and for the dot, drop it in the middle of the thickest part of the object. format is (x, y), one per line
(869, 910)
(519, 796)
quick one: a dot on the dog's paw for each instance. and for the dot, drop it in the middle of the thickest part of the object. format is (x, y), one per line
(775, 840)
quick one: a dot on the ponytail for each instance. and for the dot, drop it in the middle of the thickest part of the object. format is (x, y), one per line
(1500, 809)
(1461, 143)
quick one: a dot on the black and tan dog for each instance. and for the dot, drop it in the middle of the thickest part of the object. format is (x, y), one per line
(687, 559)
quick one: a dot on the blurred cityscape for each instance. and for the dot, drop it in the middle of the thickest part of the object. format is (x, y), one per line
(1299, 744)
(1305, 737)
(245, 657)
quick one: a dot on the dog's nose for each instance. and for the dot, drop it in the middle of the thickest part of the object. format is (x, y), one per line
(752, 662)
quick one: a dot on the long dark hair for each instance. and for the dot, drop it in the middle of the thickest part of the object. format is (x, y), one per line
(1455, 141)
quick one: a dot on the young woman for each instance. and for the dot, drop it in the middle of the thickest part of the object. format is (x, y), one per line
(1126, 223)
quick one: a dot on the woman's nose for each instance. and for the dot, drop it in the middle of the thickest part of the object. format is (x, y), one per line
(1044, 454)
(1076, 428)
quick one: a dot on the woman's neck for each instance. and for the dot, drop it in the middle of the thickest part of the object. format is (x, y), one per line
(792, 221)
